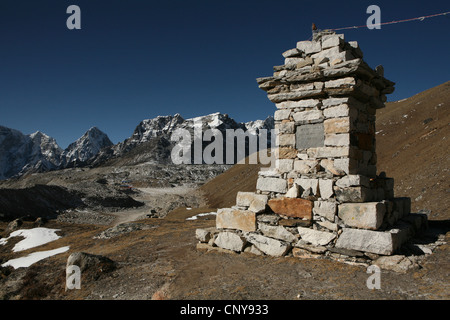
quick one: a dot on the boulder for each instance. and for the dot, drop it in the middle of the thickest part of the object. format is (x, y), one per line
(230, 241)
(206, 234)
(396, 263)
(86, 261)
(14, 225)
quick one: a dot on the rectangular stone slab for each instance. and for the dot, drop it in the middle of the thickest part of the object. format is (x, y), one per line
(292, 207)
(367, 215)
(367, 240)
(310, 136)
(229, 218)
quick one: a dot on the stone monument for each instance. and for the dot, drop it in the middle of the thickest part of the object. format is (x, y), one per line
(323, 196)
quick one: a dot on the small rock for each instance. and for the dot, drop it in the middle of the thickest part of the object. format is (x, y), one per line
(254, 250)
(14, 225)
(396, 263)
(203, 235)
(39, 222)
(293, 192)
(269, 218)
(90, 264)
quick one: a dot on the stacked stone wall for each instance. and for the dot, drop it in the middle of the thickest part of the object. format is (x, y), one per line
(323, 196)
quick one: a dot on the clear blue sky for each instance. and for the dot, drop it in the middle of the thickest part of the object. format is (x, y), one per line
(137, 59)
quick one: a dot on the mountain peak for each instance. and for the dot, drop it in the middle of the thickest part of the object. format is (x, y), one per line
(86, 146)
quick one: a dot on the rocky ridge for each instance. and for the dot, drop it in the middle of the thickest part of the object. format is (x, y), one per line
(21, 154)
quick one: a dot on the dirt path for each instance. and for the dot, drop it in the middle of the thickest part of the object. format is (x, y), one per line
(161, 201)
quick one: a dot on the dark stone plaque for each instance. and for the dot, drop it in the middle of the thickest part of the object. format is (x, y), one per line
(310, 136)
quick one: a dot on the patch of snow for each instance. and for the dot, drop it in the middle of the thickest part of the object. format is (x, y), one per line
(33, 238)
(34, 257)
(215, 122)
(202, 215)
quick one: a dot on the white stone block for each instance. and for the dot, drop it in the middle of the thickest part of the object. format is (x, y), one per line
(277, 185)
(305, 166)
(286, 140)
(284, 165)
(293, 192)
(308, 103)
(326, 209)
(338, 111)
(230, 241)
(282, 114)
(353, 181)
(331, 53)
(308, 183)
(308, 115)
(269, 246)
(367, 215)
(255, 202)
(334, 102)
(341, 83)
(332, 152)
(315, 237)
(292, 61)
(366, 240)
(309, 47)
(291, 53)
(326, 188)
(334, 40)
(337, 140)
(277, 232)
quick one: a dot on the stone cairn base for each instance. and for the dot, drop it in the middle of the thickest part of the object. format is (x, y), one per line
(323, 198)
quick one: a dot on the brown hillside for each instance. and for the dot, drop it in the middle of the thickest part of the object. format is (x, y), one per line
(221, 191)
(413, 148)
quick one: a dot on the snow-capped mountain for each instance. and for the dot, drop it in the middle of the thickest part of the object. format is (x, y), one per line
(166, 125)
(85, 147)
(21, 153)
(156, 134)
(37, 152)
(45, 153)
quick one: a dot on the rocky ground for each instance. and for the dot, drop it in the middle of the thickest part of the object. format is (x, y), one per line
(158, 258)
